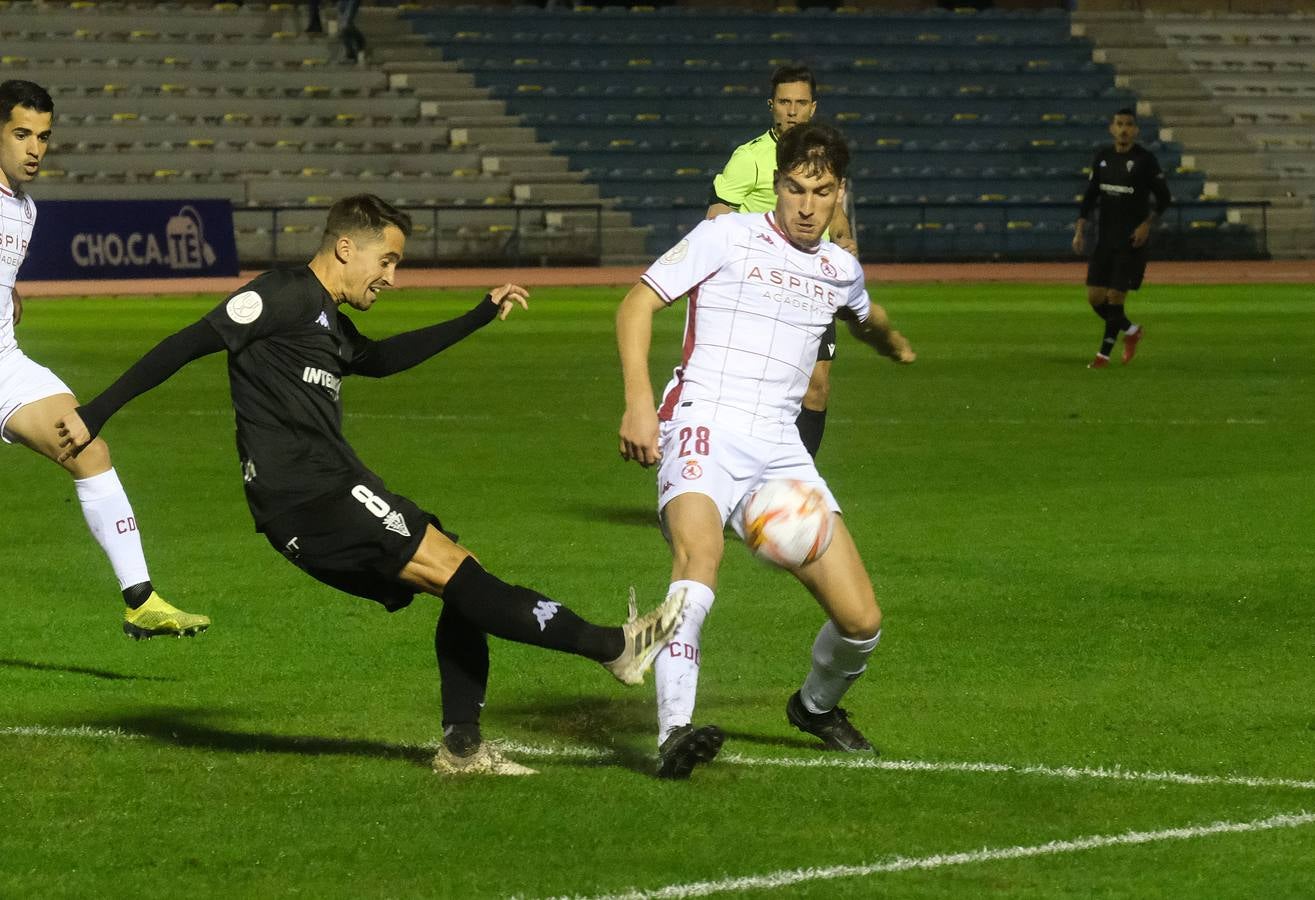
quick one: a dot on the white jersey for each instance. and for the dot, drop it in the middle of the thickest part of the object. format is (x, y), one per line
(757, 308)
(18, 213)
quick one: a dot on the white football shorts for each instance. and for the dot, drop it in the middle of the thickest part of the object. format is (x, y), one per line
(727, 466)
(23, 381)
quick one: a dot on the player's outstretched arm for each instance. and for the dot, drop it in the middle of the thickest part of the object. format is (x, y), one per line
(634, 335)
(376, 359)
(79, 428)
(880, 335)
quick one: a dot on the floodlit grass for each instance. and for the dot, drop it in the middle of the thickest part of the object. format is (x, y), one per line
(1099, 569)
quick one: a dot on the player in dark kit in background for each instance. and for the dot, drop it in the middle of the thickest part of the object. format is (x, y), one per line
(317, 503)
(1129, 188)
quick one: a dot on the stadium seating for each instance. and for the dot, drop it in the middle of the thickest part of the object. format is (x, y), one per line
(940, 108)
(569, 120)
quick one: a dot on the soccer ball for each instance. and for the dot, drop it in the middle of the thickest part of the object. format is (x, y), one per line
(788, 523)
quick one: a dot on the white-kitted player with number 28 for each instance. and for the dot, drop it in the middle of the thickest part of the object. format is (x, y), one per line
(762, 288)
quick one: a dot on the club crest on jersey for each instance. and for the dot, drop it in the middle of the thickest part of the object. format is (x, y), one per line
(675, 254)
(764, 236)
(244, 308)
(394, 522)
(29, 210)
(1129, 165)
(827, 268)
(692, 470)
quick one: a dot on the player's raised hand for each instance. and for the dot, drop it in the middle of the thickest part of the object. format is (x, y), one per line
(639, 436)
(74, 436)
(507, 296)
(848, 245)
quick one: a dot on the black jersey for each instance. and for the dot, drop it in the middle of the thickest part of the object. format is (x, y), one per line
(288, 351)
(1124, 186)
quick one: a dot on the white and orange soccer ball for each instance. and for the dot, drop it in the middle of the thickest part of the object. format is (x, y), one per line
(788, 523)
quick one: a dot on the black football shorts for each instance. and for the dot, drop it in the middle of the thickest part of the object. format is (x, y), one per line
(1117, 268)
(356, 539)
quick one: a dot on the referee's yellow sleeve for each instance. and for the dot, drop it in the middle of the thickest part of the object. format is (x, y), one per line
(738, 179)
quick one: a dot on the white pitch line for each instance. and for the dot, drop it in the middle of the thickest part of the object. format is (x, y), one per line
(77, 731)
(820, 761)
(834, 761)
(788, 877)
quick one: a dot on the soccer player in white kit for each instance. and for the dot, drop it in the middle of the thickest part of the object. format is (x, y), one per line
(33, 398)
(762, 289)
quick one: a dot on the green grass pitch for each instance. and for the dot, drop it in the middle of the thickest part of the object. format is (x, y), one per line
(1092, 573)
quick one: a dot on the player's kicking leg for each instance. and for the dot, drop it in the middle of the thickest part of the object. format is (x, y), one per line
(108, 514)
(843, 645)
(479, 604)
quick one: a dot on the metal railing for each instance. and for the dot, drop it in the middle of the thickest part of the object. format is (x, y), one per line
(454, 234)
(1023, 230)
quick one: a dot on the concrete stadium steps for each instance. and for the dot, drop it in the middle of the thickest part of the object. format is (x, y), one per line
(1238, 93)
(353, 136)
(406, 190)
(236, 160)
(245, 108)
(74, 77)
(237, 103)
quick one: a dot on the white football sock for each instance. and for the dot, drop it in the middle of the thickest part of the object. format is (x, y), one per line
(837, 663)
(109, 516)
(676, 669)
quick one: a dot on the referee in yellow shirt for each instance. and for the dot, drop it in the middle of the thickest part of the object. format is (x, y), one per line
(746, 185)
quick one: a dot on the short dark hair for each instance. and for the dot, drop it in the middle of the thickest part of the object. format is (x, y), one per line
(814, 146)
(23, 93)
(1125, 111)
(363, 214)
(792, 74)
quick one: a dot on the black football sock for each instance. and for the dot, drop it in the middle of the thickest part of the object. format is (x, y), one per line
(463, 669)
(1108, 341)
(1105, 311)
(811, 423)
(519, 614)
(137, 594)
(1118, 318)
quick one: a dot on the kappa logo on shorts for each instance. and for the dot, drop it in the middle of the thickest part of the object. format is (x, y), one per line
(666, 486)
(377, 506)
(323, 319)
(692, 470)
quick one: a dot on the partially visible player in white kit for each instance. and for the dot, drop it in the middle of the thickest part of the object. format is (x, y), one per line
(33, 398)
(762, 289)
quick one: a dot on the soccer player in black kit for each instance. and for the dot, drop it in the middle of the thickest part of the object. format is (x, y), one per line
(1129, 188)
(288, 350)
